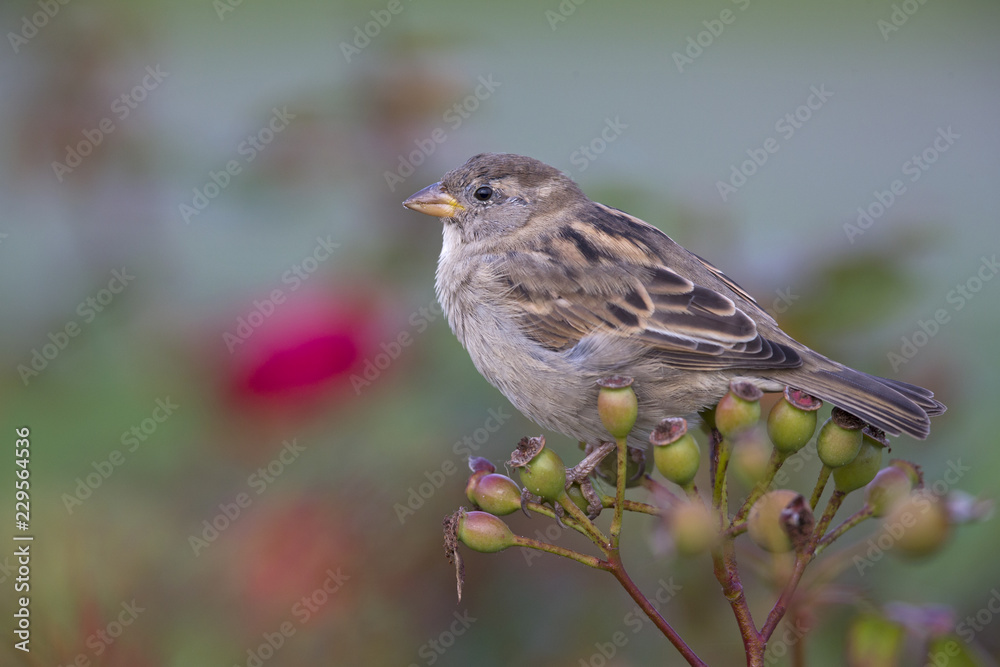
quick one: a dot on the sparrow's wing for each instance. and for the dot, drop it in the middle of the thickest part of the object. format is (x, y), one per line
(617, 280)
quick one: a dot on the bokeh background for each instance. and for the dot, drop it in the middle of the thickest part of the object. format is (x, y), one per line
(186, 342)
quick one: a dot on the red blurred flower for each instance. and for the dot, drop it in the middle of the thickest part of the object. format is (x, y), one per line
(296, 553)
(300, 350)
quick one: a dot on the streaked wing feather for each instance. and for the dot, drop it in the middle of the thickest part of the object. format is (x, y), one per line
(689, 326)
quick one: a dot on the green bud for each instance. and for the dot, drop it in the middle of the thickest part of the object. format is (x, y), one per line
(839, 440)
(483, 532)
(751, 456)
(739, 409)
(912, 470)
(792, 421)
(617, 405)
(494, 493)
(919, 524)
(890, 486)
(862, 469)
(542, 471)
(693, 529)
(575, 494)
(675, 451)
(765, 524)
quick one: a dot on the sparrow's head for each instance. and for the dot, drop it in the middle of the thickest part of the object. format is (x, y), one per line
(495, 194)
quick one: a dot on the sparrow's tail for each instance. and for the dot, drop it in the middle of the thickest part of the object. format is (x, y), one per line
(893, 406)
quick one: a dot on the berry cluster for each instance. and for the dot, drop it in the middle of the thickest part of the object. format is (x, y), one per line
(780, 521)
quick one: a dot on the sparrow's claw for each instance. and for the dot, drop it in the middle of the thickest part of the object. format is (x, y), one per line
(560, 513)
(582, 470)
(527, 498)
(594, 504)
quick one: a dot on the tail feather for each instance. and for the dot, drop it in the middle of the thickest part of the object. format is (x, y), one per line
(922, 397)
(893, 406)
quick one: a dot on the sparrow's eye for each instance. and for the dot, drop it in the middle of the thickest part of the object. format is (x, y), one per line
(483, 193)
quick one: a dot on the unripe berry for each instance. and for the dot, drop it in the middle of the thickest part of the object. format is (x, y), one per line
(890, 486)
(765, 525)
(483, 532)
(575, 494)
(751, 455)
(919, 524)
(617, 405)
(839, 440)
(692, 527)
(542, 471)
(494, 493)
(862, 469)
(792, 421)
(675, 451)
(738, 409)
(635, 467)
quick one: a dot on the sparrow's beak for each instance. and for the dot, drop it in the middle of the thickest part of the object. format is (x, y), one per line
(433, 200)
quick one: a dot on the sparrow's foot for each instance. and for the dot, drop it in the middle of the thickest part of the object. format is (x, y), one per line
(580, 474)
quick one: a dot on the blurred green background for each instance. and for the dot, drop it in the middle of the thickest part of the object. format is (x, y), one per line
(213, 303)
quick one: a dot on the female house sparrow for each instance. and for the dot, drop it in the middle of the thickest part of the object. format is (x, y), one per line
(550, 292)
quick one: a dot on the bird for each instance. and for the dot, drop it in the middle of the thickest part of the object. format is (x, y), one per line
(550, 292)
